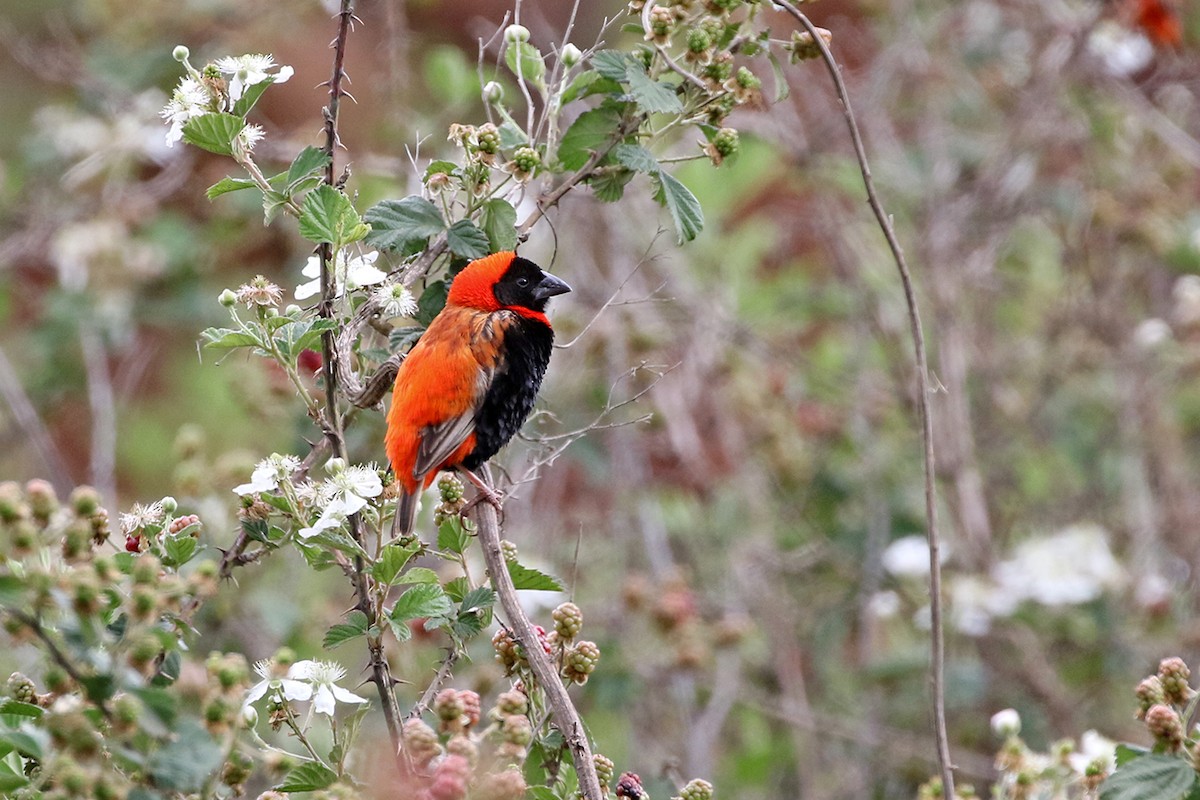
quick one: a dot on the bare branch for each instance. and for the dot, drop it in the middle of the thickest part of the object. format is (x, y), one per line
(27, 418)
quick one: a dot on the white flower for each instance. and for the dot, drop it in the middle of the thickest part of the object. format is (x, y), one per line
(348, 274)
(141, 516)
(1122, 51)
(249, 70)
(1150, 333)
(190, 99)
(395, 300)
(333, 516)
(1069, 567)
(355, 484)
(1006, 723)
(269, 473)
(1094, 747)
(908, 557)
(291, 688)
(322, 676)
(250, 136)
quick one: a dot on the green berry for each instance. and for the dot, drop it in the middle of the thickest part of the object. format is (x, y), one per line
(580, 661)
(43, 500)
(487, 140)
(697, 790)
(21, 688)
(568, 620)
(605, 768)
(517, 729)
(698, 40)
(448, 706)
(1174, 675)
(420, 741)
(527, 159)
(512, 703)
(450, 487)
(662, 20)
(725, 142)
(747, 79)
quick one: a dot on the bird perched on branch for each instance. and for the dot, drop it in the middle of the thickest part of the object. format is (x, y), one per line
(468, 384)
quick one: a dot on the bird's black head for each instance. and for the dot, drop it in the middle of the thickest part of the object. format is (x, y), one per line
(525, 285)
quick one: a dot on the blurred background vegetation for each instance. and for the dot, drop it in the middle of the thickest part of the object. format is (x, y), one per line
(745, 556)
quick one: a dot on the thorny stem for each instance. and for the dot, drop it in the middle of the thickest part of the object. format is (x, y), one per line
(333, 422)
(562, 711)
(938, 641)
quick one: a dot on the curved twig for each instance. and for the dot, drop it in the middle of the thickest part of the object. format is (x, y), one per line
(938, 642)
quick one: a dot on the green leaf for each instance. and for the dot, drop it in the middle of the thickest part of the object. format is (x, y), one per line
(18, 709)
(329, 216)
(541, 793)
(431, 301)
(294, 337)
(309, 777)
(419, 575)
(226, 185)
(1128, 752)
(781, 85)
(477, 599)
(499, 221)
(186, 764)
(589, 83)
(636, 158)
(440, 168)
(10, 781)
(467, 241)
(609, 187)
(422, 600)
(457, 589)
(12, 590)
(526, 61)
(180, 548)
(511, 136)
(653, 97)
(1151, 777)
(403, 225)
(684, 207)
(213, 132)
(250, 96)
(614, 64)
(392, 559)
(309, 162)
(354, 626)
(404, 337)
(452, 536)
(591, 131)
(25, 743)
(524, 577)
(228, 338)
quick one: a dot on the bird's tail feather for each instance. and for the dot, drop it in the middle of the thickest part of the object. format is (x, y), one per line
(406, 514)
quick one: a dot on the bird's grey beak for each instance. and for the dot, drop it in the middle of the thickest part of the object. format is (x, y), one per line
(549, 286)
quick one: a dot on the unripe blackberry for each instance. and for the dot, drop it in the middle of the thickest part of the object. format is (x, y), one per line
(568, 621)
(84, 501)
(444, 512)
(450, 487)
(506, 785)
(526, 160)
(21, 688)
(126, 711)
(421, 741)
(450, 779)
(43, 501)
(629, 785)
(85, 595)
(144, 651)
(24, 537)
(99, 524)
(718, 69)
(237, 770)
(487, 140)
(580, 661)
(230, 671)
(1149, 693)
(517, 730)
(506, 650)
(804, 46)
(12, 502)
(662, 21)
(605, 770)
(145, 570)
(723, 5)
(57, 680)
(471, 707)
(448, 706)
(461, 745)
(179, 523)
(512, 703)
(1174, 674)
(698, 41)
(508, 550)
(72, 731)
(143, 603)
(108, 787)
(747, 79)
(77, 542)
(725, 141)
(1164, 724)
(697, 790)
(218, 713)
(71, 777)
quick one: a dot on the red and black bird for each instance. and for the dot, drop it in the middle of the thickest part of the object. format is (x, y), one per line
(468, 384)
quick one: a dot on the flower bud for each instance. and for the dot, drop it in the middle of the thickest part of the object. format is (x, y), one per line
(335, 466)
(293, 311)
(180, 53)
(515, 34)
(169, 505)
(227, 298)
(1006, 723)
(493, 92)
(570, 55)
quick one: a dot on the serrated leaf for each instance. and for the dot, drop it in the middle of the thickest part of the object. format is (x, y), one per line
(636, 158)
(651, 96)
(498, 219)
(404, 337)
(180, 547)
(185, 764)
(16, 708)
(213, 132)
(422, 600)
(251, 95)
(431, 301)
(591, 131)
(466, 240)
(1151, 777)
(392, 559)
(227, 185)
(403, 225)
(309, 777)
(453, 536)
(328, 216)
(511, 136)
(440, 167)
(10, 781)
(457, 589)
(524, 577)
(468, 626)
(526, 62)
(684, 207)
(308, 162)
(1128, 752)
(419, 575)
(228, 338)
(354, 626)
(609, 187)
(589, 83)
(614, 64)
(25, 743)
(294, 337)
(477, 599)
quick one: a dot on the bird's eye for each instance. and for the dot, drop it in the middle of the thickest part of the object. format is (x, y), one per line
(522, 282)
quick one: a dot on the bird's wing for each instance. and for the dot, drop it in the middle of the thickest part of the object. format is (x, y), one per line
(439, 441)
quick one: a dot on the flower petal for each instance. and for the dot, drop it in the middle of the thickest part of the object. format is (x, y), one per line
(307, 290)
(323, 702)
(296, 690)
(256, 692)
(346, 696)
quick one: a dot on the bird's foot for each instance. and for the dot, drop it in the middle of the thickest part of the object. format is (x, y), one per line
(485, 494)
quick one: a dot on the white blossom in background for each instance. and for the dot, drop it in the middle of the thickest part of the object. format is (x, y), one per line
(1092, 748)
(974, 601)
(1121, 50)
(1150, 333)
(908, 557)
(1186, 293)
(292, 689)
(322, 677)
(884, 605)
(349, 273)
(269, 473)
(1006, 723)
(1072, 566)
(250, 70)
(395, 300)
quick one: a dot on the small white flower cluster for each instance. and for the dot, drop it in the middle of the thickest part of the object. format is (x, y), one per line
(197, 95)
(347, 490)
(304, 680)
(349, 273)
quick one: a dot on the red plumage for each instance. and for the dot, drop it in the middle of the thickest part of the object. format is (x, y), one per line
(470, 381)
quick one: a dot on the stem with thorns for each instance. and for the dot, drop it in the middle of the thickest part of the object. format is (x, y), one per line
(380, 675)
(938, 642)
